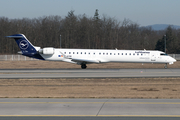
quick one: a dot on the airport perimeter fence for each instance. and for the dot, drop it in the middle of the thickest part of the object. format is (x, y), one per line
(24, 58)
(15, 58)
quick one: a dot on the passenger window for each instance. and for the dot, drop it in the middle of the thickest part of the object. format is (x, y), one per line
(64, 52)
(94, 53)
(77, 52)
(122, 53)
(85, 53)
(133, 53)
(81, 52)
(110, 53)
(138, 54)
(114, 53)
(106, 53)
(89, 53)
(73, 52)
(129, 53)
(99, 53)
(126, 53)
(141, 54)
(69, 52)
(103, 53)
(118, 54)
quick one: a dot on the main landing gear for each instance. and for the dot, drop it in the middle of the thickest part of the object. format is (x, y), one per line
(165, 66)
(83, 66)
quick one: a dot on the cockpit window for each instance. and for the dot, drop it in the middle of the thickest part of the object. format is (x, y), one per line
(163, 54)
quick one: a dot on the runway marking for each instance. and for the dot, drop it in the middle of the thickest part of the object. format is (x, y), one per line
(89, 102)
(89, 115)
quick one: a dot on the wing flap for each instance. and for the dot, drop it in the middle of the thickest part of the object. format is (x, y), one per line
(85, 60)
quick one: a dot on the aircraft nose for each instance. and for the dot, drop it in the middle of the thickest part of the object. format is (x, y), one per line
(174, 60)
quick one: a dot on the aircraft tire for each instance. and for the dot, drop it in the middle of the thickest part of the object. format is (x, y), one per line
(83, 66)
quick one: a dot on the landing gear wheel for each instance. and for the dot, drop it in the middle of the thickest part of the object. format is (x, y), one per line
(165, 66)
(83, 66)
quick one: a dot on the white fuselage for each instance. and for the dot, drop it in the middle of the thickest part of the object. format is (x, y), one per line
(102, 56)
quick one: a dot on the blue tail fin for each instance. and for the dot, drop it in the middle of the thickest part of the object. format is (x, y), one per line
(26, 47)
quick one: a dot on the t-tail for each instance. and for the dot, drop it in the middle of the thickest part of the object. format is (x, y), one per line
(27, 49)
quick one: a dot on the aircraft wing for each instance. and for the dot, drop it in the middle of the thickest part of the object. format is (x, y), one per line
(85, 60)
(73, 60)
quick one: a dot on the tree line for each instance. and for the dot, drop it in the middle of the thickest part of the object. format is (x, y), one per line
(81, 31)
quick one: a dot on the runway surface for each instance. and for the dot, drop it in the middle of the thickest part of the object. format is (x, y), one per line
(89, 118)
(23, 107)
(87, 73)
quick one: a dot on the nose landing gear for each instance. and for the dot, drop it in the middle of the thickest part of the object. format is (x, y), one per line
(165, 66)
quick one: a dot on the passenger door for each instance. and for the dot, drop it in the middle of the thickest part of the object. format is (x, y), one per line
(153, 57)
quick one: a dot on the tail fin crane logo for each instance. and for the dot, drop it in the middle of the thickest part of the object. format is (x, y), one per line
(23, 44)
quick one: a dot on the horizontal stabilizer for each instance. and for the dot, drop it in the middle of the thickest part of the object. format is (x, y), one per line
(15, 36)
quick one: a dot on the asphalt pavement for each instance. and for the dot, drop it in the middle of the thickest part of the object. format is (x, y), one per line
(88, 73)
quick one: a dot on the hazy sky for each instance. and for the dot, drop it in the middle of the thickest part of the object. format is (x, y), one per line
(143, 12)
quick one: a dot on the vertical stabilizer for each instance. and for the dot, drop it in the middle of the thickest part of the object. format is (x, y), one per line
(26, 47)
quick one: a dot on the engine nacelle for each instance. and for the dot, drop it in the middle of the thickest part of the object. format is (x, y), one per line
(47, 51)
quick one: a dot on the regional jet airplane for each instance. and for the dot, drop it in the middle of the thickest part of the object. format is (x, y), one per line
(89, 56)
